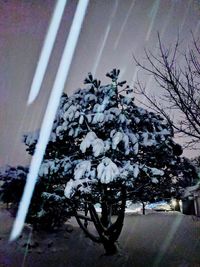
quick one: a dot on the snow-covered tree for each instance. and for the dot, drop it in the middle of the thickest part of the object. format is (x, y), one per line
(12, 183)
(104, 150)
(179, 173)
(48, 208)
(196, 163)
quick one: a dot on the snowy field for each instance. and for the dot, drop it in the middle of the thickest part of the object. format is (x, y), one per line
(156, 239)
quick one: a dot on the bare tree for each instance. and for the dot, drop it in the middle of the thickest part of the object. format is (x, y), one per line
(178, 76)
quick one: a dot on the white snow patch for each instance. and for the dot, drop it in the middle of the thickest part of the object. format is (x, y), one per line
(135, 170)
(117, 138)
(81, 168)
(98, 147)
(156, 171)
(107, 171)
(148, 139)
(154, 180)
(87, 141)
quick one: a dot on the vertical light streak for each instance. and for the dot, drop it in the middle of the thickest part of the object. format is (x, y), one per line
(168, 240)
(153, 14)
(123, 71)
(27, 248)
(167, 21)
(49, 116)
(197, 29)
(150, 79)
(185, 15)
(46, 50)
(124, 24)
(101, 50)
(184, 20)
(147, 89)
(105, 39)
(134, 76)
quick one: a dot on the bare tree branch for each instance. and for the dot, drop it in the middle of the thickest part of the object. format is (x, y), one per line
(180, 87)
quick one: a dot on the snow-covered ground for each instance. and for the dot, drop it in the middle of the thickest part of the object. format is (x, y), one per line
(156, 239)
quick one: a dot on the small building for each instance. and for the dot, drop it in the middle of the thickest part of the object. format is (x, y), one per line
(191, 200)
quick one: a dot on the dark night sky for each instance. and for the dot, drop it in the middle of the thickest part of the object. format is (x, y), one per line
(112, 31)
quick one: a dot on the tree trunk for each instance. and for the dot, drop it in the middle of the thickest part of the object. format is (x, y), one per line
(104, 214)
(86, 213)
(110, 247)
(143, 208)
(108, 232)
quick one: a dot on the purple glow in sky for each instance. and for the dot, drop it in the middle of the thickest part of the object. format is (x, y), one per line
(23, 25)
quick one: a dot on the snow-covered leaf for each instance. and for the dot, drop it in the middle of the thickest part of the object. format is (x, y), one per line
(98, 147)
(87, 141)
(117, 138)
(156, 171)
(81, 168)
(107, 171)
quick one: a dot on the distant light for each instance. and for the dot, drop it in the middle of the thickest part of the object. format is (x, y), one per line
(174, 203)
(49, 116)
(46, 50)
